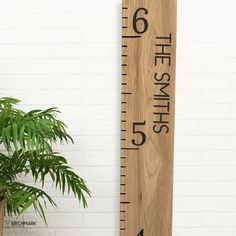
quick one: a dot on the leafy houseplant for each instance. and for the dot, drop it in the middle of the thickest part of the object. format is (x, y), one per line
(27, 140)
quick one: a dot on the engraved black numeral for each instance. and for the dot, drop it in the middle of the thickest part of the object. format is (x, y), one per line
(142, 134)
(136, 19)
(141, 233)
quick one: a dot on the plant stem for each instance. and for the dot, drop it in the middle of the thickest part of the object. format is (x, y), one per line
(1, 217)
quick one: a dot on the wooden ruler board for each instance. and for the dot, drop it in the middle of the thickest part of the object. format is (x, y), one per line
(147, 117)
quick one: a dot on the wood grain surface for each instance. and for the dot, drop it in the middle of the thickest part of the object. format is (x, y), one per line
(147, 117)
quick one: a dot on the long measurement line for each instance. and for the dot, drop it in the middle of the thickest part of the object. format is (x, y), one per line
(131, 36)
(129, 148)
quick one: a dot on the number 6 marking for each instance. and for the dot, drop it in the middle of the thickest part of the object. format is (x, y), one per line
(136, 19)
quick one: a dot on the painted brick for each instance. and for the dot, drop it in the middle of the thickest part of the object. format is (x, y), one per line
(67, 54)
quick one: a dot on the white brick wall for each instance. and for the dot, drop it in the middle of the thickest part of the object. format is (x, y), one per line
(66, 53)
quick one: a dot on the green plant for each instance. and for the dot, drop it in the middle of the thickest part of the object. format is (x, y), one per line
(27, 139)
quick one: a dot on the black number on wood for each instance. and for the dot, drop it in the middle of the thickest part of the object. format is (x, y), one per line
(136, 19)
(135, 131)
(141, 233)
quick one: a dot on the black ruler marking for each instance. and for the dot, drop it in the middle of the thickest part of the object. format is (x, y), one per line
(129, 148)
(131, 36)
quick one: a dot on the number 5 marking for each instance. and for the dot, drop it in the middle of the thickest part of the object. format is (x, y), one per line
(135, 131)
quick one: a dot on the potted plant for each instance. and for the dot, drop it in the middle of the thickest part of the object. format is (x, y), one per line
(27, 140)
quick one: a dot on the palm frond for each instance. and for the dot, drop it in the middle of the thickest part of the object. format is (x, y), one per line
(7, 167)
(6, 102)
(21, 197)
(27, 138)
(32, 131)
(54, 166)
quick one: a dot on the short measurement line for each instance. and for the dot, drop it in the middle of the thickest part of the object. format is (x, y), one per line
(123, 211)
(124, 17)
(123, 139)
(124, 202)
(124, 84)
(122, 184)
(123, 157)
(131, 36)
(124, 74)
(123, 175)
(123, 167)
(123, 130)
(124, 55)
(127, 148)
(124, 27)
(124, 46)
(124, 112)
(126, 93)
(122, 219)
(125, 8)
(123, 121)
(124, 64)
(122, 228)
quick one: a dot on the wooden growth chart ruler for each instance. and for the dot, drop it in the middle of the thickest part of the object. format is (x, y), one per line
(147, 117)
